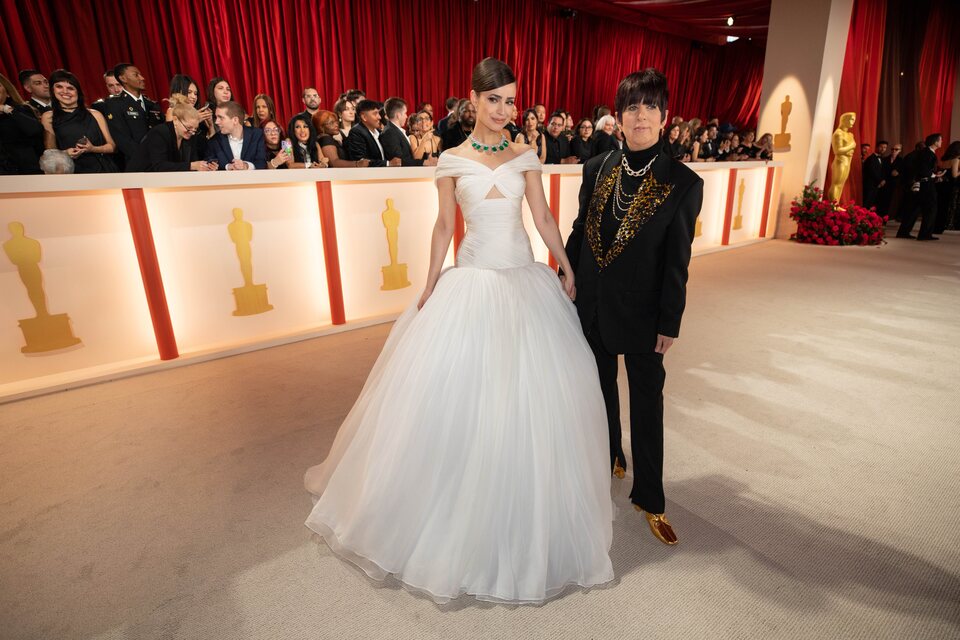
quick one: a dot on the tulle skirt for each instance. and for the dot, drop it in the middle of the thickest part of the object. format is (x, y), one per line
(476, 459)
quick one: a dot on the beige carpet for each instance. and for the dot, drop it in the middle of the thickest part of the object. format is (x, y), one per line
(813, 438)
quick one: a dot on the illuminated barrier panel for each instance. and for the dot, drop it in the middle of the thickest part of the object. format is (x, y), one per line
(106, 274)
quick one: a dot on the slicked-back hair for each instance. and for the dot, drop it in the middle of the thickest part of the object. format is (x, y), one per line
(393, 106)
(233, 109)
(647, 87)
(931, 139)
(491, 73)
(25, 75)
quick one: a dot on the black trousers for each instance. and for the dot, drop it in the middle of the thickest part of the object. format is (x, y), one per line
(922, 203)
(645, 377)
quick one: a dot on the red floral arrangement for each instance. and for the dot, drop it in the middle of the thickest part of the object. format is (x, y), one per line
(824, 222)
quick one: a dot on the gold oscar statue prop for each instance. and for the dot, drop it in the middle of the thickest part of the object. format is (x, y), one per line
(394, 274)
(44, 332)
(843, 147)
(698, 229)
(781, 141)
(251, 298)
(738, 219)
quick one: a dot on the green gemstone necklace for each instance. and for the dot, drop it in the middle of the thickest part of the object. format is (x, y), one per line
(487, 148)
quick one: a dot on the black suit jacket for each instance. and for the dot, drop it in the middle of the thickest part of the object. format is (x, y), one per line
(254, 149)
(361, 145)
(453, 137)
(129, 123)
(159, 151)
(396, 145)
(604, 142)
(642, 292)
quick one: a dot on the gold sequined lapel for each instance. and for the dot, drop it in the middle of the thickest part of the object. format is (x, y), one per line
(651, 195)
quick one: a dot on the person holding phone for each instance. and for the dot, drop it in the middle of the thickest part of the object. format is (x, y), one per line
(80, 132)
(172, 146)
(279, 149)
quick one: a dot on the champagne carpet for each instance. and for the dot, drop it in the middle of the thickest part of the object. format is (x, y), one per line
(812, 446)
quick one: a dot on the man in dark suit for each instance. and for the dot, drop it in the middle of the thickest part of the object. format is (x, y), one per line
(131, 114)
(630, 271)
(393, 139)
(363, 143)
(873, 175)
(114, 89)
(36, 86)
(558, 147)
(236, 147)
(455, 135)
(921, 198)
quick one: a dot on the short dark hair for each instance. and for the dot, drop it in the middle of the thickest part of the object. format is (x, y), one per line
(305, 89)
(353, 94)
(108, 73)
(451, 102)
(393, 106)
(26, 74)
(540, 104)
(119, 69)
(491, 73)
(62, 75)
(558, 114)
(233, 109)
(367, 105)
(648, 87)
(880, 142)
(931, 139)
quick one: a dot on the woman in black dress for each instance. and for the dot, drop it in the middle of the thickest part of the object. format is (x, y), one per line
(672, 142)
(747, 150)
(21, 134)
(531, 136)
(172, 146)
(327, 125)
(306, 151)
(699, 152)
(423, 142)
(73, 128)
(582, 143)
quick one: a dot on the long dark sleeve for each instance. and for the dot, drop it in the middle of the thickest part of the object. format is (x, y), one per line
(575, 240)
(678, 241)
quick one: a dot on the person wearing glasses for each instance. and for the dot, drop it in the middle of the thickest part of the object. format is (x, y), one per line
(279, 156)
(172, 146)
(582, 144)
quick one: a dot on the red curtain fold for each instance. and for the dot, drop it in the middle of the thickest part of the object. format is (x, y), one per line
(421, 50)
(860, 83)
(938, 68)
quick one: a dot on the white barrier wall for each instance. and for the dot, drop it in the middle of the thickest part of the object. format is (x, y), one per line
(106, 274)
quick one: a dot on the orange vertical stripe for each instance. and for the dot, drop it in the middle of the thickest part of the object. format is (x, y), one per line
(554, 207)
(728, 214)
(150, 273)
(768, 190)
(331, 255)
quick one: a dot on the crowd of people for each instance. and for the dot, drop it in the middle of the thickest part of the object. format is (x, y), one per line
(47, 126)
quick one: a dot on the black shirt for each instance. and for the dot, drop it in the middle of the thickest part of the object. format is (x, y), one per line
(453, 136)
(557, 148)
(609, 225)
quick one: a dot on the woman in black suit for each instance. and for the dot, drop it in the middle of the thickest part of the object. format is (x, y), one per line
(582, 144)
(172, 146)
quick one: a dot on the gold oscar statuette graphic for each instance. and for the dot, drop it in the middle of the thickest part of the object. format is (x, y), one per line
(394, 274)
(738, 219)
(251, 298)
(44, 332)
(699, 228)
(781, 141)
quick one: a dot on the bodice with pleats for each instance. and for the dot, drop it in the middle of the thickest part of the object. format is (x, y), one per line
(495, 237)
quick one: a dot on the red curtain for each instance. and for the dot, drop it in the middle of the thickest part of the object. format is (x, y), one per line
(860, 84)
(421, 50)
(938, 68)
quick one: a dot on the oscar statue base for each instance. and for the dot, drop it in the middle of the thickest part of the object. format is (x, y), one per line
(781, 142)
(251, 300)
(737, 222)
(394, 277)
(47, 333)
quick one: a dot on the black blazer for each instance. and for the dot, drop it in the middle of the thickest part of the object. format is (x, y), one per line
(603, 142)
(254, 149)
(128, 123)
(396, 145)
(159, 151)
(642, 292)
(360, 145)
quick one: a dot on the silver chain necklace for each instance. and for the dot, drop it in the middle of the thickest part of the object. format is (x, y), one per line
(622, 201)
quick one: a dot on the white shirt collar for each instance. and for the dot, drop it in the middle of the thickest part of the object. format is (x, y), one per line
(41, 102)
(136, 99)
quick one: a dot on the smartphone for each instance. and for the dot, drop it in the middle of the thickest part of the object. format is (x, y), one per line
(83, 140)
(287, 147)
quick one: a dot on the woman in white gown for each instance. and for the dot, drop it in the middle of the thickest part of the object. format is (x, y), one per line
(475, 460)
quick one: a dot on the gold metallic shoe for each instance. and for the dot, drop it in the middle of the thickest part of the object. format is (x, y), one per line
(618, 470)
(660, 527)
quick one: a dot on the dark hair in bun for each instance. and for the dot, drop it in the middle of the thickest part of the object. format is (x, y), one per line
(490, 74)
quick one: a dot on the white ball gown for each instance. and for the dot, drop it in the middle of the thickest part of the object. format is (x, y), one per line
(476, 459)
